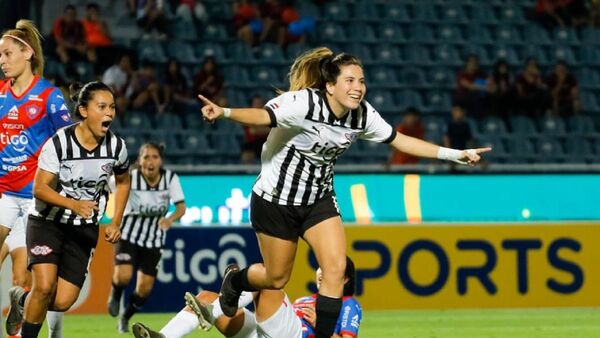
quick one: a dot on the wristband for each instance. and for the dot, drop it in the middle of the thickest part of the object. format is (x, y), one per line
(449, 154)
(226, 112)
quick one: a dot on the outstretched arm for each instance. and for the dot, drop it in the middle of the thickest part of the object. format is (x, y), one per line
(416, 147)
(247, 116)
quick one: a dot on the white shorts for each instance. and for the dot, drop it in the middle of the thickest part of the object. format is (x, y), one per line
(13, 215)
(284, 323)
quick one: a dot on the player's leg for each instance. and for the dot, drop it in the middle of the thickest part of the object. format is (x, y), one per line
(122, 274)
(206, 306)
(275, 315)
(328, 240)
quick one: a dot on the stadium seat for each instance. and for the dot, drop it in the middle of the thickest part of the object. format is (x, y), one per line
(194, 143)
(493, 126)
(211, 49)
(509, 13)
(412, 76)
(396, 12)
(536, 35)
(589, 102)
(521, 150)
(442, 77)
(499, 153)
(529, 51)
(587, 78)
(552, 126)
(386, 54)
(507, 53)
(437, 102)
(449, 34)
(566, 36)
(183, 29)
(581, 125)
(563, 53)
(590, 36)
(479, 51)
(239, 52)
(549, 150)
(308, 9)
(362, 33)
(219, 10)
(366, 10)
(579, 150)
(382, 100)
(265, 75)
(270, 53)
(425, 11)
(336, 11)
(182, 52)
(226, 145)
(450, 12)
(169, 121)
(137, 121)
(168, 139)
(421, 33)
(417, 55)
(214, 32)
(434, 128)
(589, 55)
(236, 76)
(152, 51)
(390, 32)
(362, 51)
(446, 55)
(479, 34)
(134, 140)
(381, 76)
(523, 125)
(508, 35)
(331, 31)
(409, 98)
(483, 13)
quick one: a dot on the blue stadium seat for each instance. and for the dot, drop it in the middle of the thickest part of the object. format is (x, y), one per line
(239, 52)
(449, 34)
(390, 32)
(137, 121)
(589, 102)
(362, 33)
(499, 153)
(434, 128)
(362, 51)
(211, 49)
(237, 97)
(509, 13)
(336, 10)
(194, 143)
(590, 36)
(563, 53)
(451, 12)
(382, 100)
(366, 10)
(225, 145)
(417, 55)
(169, 121)
(412, 76)
(442, 77)
(409, 98)
(536, 35)
(425, 11)
(552, 126)
(479, 34)
(294, 50)
(437, 102)
(589, 55)
(219, 11)
(536, 52)
(214, 32)
(331, 31)
(236, 76)
(168, 139)
(507, 53)
(386, 54)
(566, 36)
(446, 55)
(271, 53)
(549, 150)
(265, 75)
(421, 33)
(523, 125)
(579, 150)
(521, 150)
(479, 51)
(182, 52)
(396, 12)
(508, 35)
(587, 78)
(308, 9)
(581, 125)
(483, 13)
(152, 51)
(382, 76)
(134, 140)
(493, 126)
(194, 121)
(183, 29)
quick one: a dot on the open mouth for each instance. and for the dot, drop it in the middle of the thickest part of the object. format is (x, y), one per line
(105, 125)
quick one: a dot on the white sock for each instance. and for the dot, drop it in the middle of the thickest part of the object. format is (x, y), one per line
(55, 320)
(245, 299)
(181, 325)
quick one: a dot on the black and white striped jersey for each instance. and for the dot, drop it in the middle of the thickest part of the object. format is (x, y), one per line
(146, 205)
(306, 139)
(81, 174)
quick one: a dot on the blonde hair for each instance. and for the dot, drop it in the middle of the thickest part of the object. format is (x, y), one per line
(26, 31)
(317, 67)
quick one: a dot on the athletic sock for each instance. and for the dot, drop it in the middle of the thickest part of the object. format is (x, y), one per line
(117, 291)
(55, 320)
(240, 282)
(30, 330)
(135, 303)
(182, 324)
(245, 299)
(328, 311)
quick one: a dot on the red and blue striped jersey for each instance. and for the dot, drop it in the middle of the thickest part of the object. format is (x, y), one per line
(348, 322)
(26, 122)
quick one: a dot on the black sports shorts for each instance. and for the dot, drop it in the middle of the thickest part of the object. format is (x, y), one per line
(69, 247)
(146, 259)
(287, 221)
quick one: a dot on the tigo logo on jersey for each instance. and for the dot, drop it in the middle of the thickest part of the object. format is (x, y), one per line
(42, 250)
(13, 113)
(19, 142)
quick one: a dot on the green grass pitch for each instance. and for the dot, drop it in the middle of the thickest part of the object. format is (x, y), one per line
(529, 323)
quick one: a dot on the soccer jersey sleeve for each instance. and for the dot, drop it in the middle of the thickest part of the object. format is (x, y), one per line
(288, 109)
(57, 110)
(350, 317)
(377, 129)
(122, 164)
(48, 159)
(175, 191)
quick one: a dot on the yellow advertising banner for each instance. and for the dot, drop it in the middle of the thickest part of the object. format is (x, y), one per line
(468, 266)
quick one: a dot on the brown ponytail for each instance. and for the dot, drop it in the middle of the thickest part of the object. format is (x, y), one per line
(26, 31)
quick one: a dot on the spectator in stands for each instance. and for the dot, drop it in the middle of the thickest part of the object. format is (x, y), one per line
(246, 21)
(150, 15)
(69, 36)
(270, 13)
(471, 90)
(208, 82)
(117, 77)
(254, 136)
(501, 90)
(97, 36)
(144, 91)
(532, 94)
(563, 89)
(294, 27)
(548, 13)
(458, 132)
(177, 91)
(411, 125)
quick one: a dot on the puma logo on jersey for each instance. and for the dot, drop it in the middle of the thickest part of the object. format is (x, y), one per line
(318, 130)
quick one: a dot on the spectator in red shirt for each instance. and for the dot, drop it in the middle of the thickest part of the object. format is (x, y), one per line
(471, 90)
(254, 136)
(532, 94)
(208, 82)
(563, 89)
(69, 35)
(411, 125)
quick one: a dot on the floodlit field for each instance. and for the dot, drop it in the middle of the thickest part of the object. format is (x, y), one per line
(543, 323)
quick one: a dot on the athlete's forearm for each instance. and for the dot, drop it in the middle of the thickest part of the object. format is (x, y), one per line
(250, 116)
(414, 146)
(179, 212)
(44, 193)
(123, 185)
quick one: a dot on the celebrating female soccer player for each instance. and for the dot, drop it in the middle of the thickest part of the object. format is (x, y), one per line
(32, 110)
(143, 230)
(274, 316)
(71, 191)
(313, 123)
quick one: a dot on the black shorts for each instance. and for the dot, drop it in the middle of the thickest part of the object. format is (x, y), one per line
(145, 259)
(69, 247)
(287, 221)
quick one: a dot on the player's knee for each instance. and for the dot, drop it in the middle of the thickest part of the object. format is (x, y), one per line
(279, 281)
(334, 270)
(43, 290)
(62, 304)
(206, 297)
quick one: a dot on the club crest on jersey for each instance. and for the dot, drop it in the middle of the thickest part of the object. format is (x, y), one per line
(351, 136)
(32, 110)
(13, 113)
(107, 168)
(65, 117)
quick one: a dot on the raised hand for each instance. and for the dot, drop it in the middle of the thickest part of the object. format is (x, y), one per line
(471, 156)
(210, 111)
